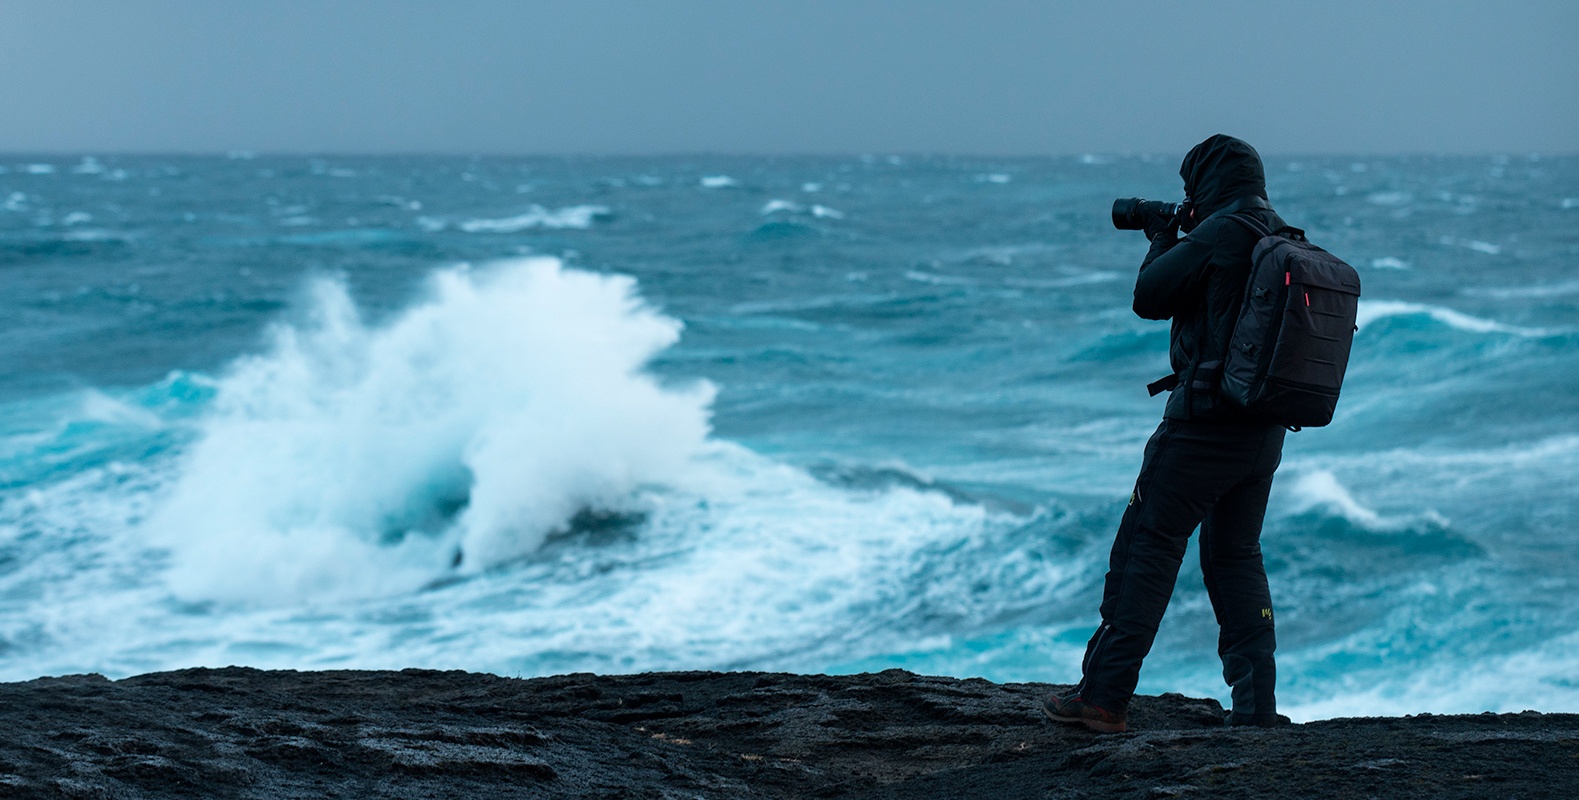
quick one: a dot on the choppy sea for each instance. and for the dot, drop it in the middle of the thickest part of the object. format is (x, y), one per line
(533, 416)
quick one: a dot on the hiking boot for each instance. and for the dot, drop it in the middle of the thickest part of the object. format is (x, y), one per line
(1234, 719)
(1075, 709)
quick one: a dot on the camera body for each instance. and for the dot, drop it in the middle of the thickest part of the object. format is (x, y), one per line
(1135, 214)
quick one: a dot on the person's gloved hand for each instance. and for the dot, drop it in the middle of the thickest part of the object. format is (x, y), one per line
(1167, 227)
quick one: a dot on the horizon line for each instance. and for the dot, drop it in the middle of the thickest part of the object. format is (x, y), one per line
(241, 154)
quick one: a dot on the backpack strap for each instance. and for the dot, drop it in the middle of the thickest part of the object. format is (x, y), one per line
(1260, 228)
(1161, 385)
(1256, 226)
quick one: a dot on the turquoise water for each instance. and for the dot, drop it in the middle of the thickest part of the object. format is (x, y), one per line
(544, 415)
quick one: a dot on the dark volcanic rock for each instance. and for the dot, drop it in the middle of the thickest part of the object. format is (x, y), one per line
(419, 734)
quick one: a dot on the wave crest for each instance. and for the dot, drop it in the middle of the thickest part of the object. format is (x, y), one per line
(352, 459)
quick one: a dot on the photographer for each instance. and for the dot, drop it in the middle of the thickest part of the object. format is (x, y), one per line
(1208, 464)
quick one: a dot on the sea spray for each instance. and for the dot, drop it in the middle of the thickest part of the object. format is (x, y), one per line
(353, 460)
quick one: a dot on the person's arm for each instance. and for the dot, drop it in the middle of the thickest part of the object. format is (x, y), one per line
(1171, 274)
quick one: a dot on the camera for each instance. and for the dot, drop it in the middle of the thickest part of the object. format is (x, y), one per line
(1134, 213)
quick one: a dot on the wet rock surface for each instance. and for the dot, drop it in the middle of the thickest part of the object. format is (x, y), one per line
(248, 733)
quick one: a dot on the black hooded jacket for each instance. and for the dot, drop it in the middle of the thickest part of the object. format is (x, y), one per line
(1198, 281)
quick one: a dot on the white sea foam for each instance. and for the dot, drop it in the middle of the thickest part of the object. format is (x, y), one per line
(1473, 244)
(1389, 262)
(993, 177)
(775, 206)
(1522, 292)
(791, 207)
(718, 182)
(1389, 198)
(1539, 676)
(1373, 310)
(1320, 489)
(538, 217)
(1077, 279)
(355, 460)
(936, 279)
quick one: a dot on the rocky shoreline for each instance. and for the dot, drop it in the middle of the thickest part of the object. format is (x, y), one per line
(245, 733)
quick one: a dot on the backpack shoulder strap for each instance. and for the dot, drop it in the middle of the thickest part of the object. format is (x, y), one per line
(1256, 226)
(1260, 228)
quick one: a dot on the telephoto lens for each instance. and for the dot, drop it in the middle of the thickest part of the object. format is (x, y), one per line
(1134, 213)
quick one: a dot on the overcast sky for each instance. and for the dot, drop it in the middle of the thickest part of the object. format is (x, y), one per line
(787, 76)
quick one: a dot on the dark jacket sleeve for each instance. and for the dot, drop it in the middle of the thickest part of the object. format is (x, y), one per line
(1172, 275)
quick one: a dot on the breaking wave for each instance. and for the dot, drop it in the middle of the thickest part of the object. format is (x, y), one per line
(366, 459)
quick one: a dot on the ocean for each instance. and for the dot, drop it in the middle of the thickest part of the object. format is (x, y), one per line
(542, 415)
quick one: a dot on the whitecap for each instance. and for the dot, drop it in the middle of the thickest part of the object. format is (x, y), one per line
(1079, 279)
(994, 177)
(1373, 310)
(88, 166)
(76, 218)
(94, 235)
(1389, 262)
(1472, 244)
(810, 187)
(1537, 291)
(1320, 489)
(791, 207)
(1569, 202)
(718, 182)
(40, 169)
(538, 217)
(1389, 198)
(774, 206)
(935, 279)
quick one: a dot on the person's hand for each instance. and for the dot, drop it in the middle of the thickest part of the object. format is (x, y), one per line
(1167, 227)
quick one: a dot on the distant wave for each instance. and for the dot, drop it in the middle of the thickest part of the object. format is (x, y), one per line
(791, 207)
(1521, 292)
(1389, 262)
(1320, 489)
(538, 217)
(1373, 310)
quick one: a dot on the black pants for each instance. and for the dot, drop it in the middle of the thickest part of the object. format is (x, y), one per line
(1216, 475)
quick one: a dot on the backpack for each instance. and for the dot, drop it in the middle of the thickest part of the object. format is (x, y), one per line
(1290, 346)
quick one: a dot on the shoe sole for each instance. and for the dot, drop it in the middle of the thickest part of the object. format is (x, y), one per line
(1094, 724)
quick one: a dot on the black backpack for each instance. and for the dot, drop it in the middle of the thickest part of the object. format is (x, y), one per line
(1290, 346)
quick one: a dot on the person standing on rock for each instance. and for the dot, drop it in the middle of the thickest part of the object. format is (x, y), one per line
(1208, 464)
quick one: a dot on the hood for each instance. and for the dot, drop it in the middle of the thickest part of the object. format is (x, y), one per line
(1220, 170)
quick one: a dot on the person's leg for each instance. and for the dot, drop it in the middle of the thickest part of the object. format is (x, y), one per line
(1187, 467)
(1236, 582)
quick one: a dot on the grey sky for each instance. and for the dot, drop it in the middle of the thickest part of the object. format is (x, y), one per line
(792, 76)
